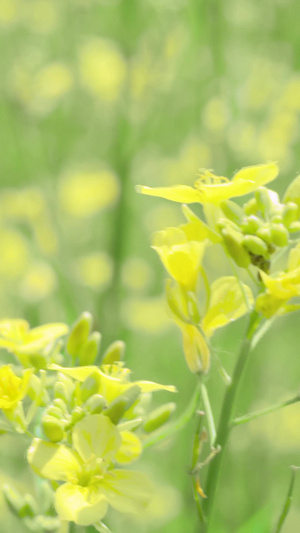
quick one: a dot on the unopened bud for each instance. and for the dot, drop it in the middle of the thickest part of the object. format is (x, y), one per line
(90, 386)
(294, 227)
(77, 414)
(14, 499)
(292, 193)
(114, 353)
(34, 391)
(280, 235)
(53, 428)
(158, 417)
(79, 334)
(251, 224)
(290, 213)
(233, 242)
(60, 391)
(251, 207)
(95, 404)
(60, 404)
(267, 201)
(255, 245)
(38, 361)
(232, 211)
(265, 234)
(122, 403)
(90, 349)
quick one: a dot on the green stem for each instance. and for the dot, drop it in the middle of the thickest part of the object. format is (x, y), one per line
(209, 415)
(288, 500)
(225, 418)
(256, 414)
(195, 459)
(176, 426)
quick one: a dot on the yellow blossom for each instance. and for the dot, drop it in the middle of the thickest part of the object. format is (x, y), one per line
(12, 388)
(180, 256)
(212, 189)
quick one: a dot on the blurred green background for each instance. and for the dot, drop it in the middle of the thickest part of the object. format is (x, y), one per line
(97, 96)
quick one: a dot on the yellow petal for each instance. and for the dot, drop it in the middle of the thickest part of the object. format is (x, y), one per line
(130, 449)
(82, 505)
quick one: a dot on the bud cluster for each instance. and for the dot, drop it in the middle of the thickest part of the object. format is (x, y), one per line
(253, 233)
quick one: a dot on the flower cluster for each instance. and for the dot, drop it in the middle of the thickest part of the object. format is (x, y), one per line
(252, 235)
(90, 418)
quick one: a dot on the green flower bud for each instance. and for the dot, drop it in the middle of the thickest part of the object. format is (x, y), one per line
(290, 213)
(54, 411)
(34, 391)
(158, 417)
(251, 207)
(267, 201)
(265, 234)
(79, 334)
(255, 245)
(233, 243)
(30, 507)
(280, 235)
(90, 386)
(95, 404)
(53, 428)
(276, 219)
(60, 391)
(292, 193)
(77, 414)
(294, 227)
(224, 223)
(232, 211)
(115, 352)
(122, 403)
(14, 499)
(60, 404)
(251, 224)
(38, 361)
(89, 350)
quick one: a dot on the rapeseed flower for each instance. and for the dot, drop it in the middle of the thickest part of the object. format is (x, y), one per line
(12, 388)
(90, 480)
(212, 189)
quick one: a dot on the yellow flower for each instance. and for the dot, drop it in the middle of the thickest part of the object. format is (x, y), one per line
(19, 339)
(90, 480)
(181, 257)
(281, 287)
(12, 388)
(211, 189)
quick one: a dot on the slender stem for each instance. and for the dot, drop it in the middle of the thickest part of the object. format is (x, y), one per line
(195, 459)
(256, 414)
(288, 500)
(225, 418)
(176, 426)
(209, 415)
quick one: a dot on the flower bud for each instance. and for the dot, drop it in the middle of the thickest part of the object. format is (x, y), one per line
(122, 403)
(77, 414)
(280, 235)
(90, 386)
(251, 224)
(232, 211)
(158, 417)
(89, 350)
(267, 201)
(255, 245)
(114, 353)
(54, 411)
(251, 207)
(265, 234)
(60, 391)
(290, 213)
(294, 227)
(14, 499)
(34, 391)
(224, 223)
(95, 404)
(233, 243)
(38, 361)
(79, 334)
(60, 404)
(53, 428)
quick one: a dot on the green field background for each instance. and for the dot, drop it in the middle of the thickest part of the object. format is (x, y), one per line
(97, 96)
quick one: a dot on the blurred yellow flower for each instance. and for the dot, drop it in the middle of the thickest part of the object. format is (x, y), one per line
(12, 388)
(39, 282)
(84, 193)
(212, 189)
(136, 273)
(40, 16)
(14, 254)
(17, 338)
(181, 257)
(102, 69)
(94, 270)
